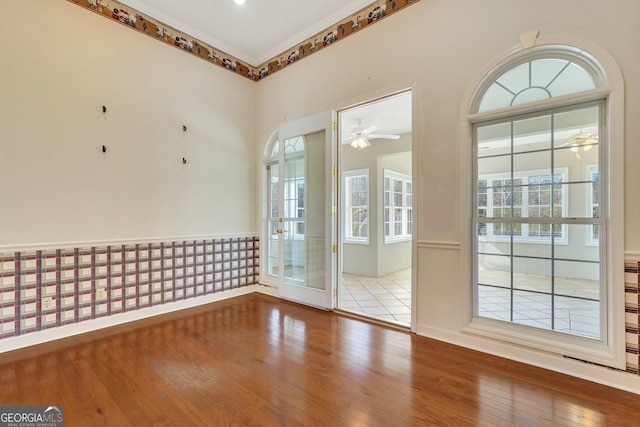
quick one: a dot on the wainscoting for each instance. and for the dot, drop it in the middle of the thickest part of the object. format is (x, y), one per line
(632, 314)
(45, 289)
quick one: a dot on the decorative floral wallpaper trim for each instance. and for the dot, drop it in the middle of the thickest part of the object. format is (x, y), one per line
(133, 19)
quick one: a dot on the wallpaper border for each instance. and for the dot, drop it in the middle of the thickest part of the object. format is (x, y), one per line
(133, 19)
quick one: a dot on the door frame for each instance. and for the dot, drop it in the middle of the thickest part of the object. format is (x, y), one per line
(411, 87)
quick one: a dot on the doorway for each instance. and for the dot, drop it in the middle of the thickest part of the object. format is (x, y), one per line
(376, 209)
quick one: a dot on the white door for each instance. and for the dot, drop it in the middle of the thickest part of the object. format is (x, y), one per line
(301, 224)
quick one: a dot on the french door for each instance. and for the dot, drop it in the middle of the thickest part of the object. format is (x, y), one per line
(300, 222)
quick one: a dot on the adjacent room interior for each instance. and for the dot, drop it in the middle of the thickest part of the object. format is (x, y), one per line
(376, 204)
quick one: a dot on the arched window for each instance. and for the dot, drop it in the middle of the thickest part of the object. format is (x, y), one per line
(541, 219)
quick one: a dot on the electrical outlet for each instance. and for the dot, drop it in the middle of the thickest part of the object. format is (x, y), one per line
(47, 303)
(101, 294)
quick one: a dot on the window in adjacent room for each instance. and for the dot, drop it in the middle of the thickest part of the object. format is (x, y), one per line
(398, 207)
(356, 195)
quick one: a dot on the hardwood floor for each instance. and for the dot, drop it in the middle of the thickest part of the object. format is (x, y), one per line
(256, 360)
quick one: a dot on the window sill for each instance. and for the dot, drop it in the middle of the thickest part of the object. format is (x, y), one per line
(586, 349)
(356, 242)
(392, 241)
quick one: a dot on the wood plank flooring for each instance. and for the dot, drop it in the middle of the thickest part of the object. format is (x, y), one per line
(256, 360)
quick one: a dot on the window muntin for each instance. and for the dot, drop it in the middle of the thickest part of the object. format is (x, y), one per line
(398, 207)
(537, 80)
(356, 194)
(531, 188)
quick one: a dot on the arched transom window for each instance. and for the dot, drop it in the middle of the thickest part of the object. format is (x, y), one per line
(538, 79)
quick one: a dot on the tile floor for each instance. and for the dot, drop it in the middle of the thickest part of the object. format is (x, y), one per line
(572, 313)
(386, 298)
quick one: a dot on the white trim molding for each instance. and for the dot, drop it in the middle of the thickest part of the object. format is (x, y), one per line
(436, 244)
(632, 256)
(116, 242)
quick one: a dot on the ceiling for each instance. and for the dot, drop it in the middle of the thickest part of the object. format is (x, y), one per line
(255, 31)
(390, 115)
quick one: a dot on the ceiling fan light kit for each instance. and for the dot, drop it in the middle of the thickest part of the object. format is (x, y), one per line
(359, 138)
(360, 143)
(576, 147)
(584, 141)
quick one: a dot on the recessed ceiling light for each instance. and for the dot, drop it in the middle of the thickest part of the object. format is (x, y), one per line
(239, 1)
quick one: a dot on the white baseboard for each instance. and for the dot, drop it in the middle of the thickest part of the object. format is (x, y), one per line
(29, 339)
(267, 290)
(553, 362)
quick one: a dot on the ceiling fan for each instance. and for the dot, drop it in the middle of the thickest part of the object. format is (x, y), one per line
(359, 138)
(582, 141)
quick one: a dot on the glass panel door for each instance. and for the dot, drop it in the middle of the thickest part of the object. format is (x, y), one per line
(305, 223)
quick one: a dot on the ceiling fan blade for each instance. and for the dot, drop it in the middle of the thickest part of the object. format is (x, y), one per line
(581, 139)
(369, 130)
(578, 143)
(382, 136)
(567, 143)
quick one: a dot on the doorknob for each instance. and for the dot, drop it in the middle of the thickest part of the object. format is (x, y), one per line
(279, 230)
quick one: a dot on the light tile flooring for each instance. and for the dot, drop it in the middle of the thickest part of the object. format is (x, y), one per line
(572, 313)
(386, 298)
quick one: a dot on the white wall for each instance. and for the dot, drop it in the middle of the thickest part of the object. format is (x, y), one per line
(394, 256)
(442, 45)
(60, 65)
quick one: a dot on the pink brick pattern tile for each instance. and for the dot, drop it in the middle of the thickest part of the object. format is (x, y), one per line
(632, 323)
(92, 282)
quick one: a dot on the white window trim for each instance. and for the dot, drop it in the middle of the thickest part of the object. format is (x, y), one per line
(612, 353)
(387, 173)
(525, 238)
(347, 238)
(590, 240)
(265, 197)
